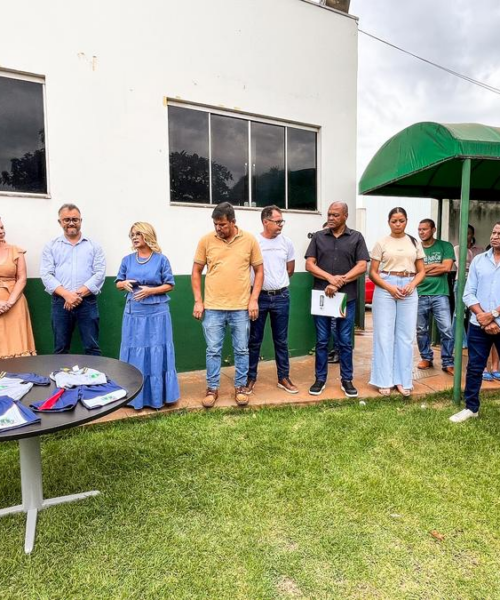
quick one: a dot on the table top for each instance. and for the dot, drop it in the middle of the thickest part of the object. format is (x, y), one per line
(125, 375)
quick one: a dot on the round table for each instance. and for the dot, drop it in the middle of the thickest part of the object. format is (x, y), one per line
(125, 375)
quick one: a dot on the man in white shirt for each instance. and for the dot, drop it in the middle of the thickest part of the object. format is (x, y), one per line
(274, 299)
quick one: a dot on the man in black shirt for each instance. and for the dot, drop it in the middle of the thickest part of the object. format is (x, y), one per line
(336, 257)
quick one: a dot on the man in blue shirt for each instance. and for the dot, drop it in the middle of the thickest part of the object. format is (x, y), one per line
(482, 296)
(73, 270)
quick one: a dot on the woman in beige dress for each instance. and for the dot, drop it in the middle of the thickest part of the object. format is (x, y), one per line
(16, 335)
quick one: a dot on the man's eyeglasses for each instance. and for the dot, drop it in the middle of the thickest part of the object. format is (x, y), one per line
(278, 222)
(68, 220)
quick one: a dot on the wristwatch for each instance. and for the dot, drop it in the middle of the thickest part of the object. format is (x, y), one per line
(495, 313)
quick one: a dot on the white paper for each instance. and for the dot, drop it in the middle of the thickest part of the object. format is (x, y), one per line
(324, 306)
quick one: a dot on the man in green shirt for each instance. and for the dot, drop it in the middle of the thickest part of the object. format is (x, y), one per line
(433, 297)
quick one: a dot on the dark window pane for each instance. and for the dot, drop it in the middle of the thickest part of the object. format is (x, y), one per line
(22, 137)
(268, 165)
(229, 160)
(302, 190)
(188, 141)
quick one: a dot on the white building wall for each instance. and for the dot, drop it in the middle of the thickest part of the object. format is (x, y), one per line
(108, 67)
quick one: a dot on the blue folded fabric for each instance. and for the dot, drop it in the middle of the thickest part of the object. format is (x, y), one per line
(69, 398)
(29, 377)
(67, 401)
(96, 396)
(14, 414)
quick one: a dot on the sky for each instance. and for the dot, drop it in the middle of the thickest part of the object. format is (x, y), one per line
(396, 90)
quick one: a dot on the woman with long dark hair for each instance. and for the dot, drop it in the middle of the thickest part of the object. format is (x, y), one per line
(396, 268)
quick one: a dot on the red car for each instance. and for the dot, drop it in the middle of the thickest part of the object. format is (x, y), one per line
(369, 289)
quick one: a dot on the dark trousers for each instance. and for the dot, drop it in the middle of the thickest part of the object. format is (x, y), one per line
(479, 344)
(344, 343)
(278, 309)
(86, 315)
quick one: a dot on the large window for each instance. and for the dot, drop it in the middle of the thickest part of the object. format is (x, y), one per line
(217, 157)
(23, 166)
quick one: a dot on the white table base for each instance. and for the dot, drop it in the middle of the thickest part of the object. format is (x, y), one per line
(31, 488)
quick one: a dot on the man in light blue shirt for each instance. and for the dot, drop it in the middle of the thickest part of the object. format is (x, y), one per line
(73, 269)
(482, 296)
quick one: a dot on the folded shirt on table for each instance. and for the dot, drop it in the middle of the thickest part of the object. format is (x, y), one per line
(14, 388)
(30, 377)
(14, 415)
(91, 396)
(68, 378)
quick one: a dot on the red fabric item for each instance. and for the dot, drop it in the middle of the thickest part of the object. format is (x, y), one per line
(49, 403)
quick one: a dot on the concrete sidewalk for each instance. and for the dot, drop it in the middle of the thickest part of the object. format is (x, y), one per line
(266, 392)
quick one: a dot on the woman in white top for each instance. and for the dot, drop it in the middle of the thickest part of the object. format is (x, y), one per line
(397, 267)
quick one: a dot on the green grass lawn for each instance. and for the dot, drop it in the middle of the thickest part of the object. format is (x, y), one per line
(328, 501)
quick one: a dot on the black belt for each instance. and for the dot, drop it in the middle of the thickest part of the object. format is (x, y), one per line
(273, 292)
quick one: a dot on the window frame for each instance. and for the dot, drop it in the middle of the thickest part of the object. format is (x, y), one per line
(33, 78)
(249, 118)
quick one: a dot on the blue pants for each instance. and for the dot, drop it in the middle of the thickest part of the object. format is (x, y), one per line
(344, 343)
(394, 323)
(479, 344)
(214, 328)
(439, 306)
(278, 309)
(334, 336)
(86, 315)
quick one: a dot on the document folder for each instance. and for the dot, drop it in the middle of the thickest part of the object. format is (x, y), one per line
(322, 305)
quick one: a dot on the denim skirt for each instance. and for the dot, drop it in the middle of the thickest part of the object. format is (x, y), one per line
(148, 345)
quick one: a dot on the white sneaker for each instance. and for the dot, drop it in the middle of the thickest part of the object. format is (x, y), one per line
(463, 415)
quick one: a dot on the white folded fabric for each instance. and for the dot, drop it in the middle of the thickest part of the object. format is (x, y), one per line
(68, 378)
(14, 388)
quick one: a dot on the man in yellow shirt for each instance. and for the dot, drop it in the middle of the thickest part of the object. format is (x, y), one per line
(228, 255)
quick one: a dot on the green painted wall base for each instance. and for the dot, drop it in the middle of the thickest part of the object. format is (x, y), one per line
(188, 334)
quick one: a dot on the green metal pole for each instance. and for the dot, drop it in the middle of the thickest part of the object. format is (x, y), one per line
(462, 241)
(360, 303)
(439, 224)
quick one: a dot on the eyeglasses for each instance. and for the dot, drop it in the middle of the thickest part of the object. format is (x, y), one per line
(68, 220)
(278, 222)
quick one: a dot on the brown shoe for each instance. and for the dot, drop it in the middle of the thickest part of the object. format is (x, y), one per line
(449, 370)
(424, 365)
(210, 398)
(287, 385)
(241, 395)
(250, 385)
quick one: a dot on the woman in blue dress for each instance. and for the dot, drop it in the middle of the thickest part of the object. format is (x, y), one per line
(147, 341)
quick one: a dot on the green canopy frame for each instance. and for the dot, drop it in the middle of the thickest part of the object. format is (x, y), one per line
(438, 160)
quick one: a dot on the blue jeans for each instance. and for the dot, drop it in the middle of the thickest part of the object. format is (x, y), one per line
(344, 343)
(479, 344)
(278, 308)
(394, 323)
(335, 347)
(439, 306)
(214, 328)
(86, 315)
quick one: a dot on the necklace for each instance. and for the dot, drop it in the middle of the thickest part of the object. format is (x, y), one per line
(143, 262)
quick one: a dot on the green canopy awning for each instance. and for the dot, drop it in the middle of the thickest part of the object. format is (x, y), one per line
(425, 161)
(438, 160)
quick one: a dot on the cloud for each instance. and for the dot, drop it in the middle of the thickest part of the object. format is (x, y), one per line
(396, 90)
